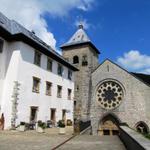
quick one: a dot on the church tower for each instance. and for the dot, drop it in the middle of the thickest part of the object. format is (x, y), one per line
(82, 53)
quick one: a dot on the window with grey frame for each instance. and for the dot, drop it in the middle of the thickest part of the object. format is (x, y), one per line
(60, 70)
(36, 85)
(59, 91)
(37, 58)
(49, 64)
(69, 94)
(1, 45)
(48, 88)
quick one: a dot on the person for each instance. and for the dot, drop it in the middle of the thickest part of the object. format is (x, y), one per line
(2, 121)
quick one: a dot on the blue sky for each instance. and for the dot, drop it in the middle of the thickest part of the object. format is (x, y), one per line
(120, 29)
(114, 26)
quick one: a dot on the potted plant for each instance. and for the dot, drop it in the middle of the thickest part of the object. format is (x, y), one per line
(61, 125)
(22, 126)
(41, 126)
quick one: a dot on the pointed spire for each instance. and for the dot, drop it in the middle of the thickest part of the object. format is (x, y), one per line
(79, 37)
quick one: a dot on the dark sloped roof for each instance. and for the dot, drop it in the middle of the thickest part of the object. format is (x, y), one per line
(13, 31)
(144, 77)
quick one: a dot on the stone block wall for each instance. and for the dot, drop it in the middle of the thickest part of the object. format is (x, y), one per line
(135, 103)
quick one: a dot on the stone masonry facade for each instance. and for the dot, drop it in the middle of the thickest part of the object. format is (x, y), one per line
(130, 107)
(82, 95)
(135, 104)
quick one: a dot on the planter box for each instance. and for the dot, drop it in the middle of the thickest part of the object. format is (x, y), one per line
(62, 130)
(40, 130)
(22, 128)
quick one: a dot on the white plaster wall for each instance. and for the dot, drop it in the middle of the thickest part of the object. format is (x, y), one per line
(2, 69)
(18, 65)
(9, 70)
(27, 98)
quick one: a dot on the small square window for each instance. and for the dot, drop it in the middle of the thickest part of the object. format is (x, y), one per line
(36, 85)
(69, 74)
(60, 70)
(69, 94)
(48, 88)
(1, 45)
(59, 91)
(49, 64)
(37, 58)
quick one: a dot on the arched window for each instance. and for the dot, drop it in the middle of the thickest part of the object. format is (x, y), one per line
(75, 60)
(142, 127)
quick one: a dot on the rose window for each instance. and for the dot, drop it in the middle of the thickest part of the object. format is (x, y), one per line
(109, 94)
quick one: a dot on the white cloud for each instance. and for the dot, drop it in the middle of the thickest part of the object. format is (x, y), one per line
(29, 13)
(135, 61)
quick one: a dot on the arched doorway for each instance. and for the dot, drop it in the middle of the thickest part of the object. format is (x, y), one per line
(142, 127)
(109, 125)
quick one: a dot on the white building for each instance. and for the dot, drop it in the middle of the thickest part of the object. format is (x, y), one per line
(36, 83)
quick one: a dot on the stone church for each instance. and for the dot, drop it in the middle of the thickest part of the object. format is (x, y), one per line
(106, 94)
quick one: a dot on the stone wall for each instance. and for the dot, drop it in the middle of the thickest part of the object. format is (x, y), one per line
(135, 104)
(82, 78)
(133, 140)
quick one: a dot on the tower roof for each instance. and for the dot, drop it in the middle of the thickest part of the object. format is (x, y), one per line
(79, 38)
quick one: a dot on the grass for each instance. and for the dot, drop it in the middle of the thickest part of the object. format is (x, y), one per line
(147, 136)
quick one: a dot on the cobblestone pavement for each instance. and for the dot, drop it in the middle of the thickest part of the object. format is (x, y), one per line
(31, 140)
(85, 142)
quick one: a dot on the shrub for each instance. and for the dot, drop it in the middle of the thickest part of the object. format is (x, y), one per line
(41, 124)
(69, 122)
(22, 123)
(147, 136)
(61, 124)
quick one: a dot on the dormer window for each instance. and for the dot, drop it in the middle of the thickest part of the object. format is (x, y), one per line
(84, 60)
(60, 70)
(1, 45)
(49, 64)
(75, 60)
(37, 58)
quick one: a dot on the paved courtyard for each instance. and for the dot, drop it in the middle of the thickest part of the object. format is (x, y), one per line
(31, 140)
(85, 142)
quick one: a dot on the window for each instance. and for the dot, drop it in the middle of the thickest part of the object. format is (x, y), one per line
(69, 94)
(75, 60)
(64, 115)
(77, 88)
(59, 91)
(75, 104)
(53, 115)
(33, 114)
(36, 85)
(37, 58)
(49, 64)
(48, 88)
(84, 60)
(69, 74)
(1, 45)
(60, 70)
